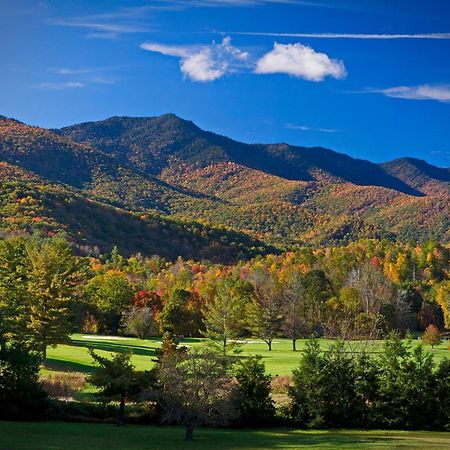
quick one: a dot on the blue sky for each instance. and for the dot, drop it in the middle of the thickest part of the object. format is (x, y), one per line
(367, 78)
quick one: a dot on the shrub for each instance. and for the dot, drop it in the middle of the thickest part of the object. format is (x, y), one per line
(280, 384)
(253, 401)
(21, 395)
(324, 391)
(64, 384)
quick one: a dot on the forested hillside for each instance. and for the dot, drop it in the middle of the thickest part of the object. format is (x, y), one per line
(154, 185)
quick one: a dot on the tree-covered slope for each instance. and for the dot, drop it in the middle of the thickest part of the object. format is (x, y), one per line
(279, 194)
(152, 144)
(29, 204)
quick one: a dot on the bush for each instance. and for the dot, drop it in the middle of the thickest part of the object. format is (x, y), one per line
(400, 388)
(64, 384)
(280, 384)
(253, 401)
(21, 395)
(324, 391)
(74, 411)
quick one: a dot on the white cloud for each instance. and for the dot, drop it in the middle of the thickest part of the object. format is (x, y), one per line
(439, 93)
(70, 71)
(306, 128)
(350, 35)
(100, 29)
(168, 50)
(204, 63)
(99, 26)
(300, 61)
(57, 86)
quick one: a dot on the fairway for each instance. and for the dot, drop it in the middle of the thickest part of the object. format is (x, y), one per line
(280, 361)
(74, 436)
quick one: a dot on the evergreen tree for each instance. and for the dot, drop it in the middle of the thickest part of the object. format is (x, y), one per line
(253, 401)
(14, 298)
(117, 377)
(52, 282)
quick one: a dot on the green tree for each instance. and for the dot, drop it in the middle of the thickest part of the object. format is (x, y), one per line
(443, 395)
(110, 293)
(138, 321)
(14, 298)
(175, 316)
(53, 276)
(117, 377)
(324, 388)
(264, 311)
(406, 394)
(196, 388)
(253, 400)
(21, 395)
(224, 315)
(318, 290)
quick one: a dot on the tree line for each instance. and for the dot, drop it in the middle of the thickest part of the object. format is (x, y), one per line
(361, 291)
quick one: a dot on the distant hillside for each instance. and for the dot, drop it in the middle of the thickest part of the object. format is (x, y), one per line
(420, 175)
(146, 182)
(29, 204)
(151, 144)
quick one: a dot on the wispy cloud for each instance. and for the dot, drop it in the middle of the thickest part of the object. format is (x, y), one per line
(291, 126)
(300, 61)
(440, 93)
(100, 29)
(71, 71)
(347, 35)
(56, 86)
(204, 63)
(85, 76)
(189, 4)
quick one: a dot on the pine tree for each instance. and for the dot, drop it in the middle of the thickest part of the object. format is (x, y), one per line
(14, 305)
(117, 377)
(52, 281)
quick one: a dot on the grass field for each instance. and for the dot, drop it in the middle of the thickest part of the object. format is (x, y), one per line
(76, 436)
(280, 361)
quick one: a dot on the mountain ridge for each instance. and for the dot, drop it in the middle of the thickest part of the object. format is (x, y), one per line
(276, 193)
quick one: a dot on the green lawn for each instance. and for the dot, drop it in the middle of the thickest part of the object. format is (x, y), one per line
(76, 436)
(280, 361)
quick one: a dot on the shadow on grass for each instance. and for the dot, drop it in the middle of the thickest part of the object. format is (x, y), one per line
(73, 436)
(276, 439)
(59, 365)
(114, 347)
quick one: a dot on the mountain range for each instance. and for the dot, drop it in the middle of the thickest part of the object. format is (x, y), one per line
(161, 185)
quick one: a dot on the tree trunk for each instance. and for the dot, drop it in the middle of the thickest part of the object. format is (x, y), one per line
(121, 421)
(294, 347)
(269, 344)
(189, 436)
(44, 354)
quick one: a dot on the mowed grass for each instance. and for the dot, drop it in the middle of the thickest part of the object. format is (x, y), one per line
(280, 361)
(76, 436)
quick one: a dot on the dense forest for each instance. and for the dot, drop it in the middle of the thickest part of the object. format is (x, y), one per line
(362, 290)
(97, 179)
